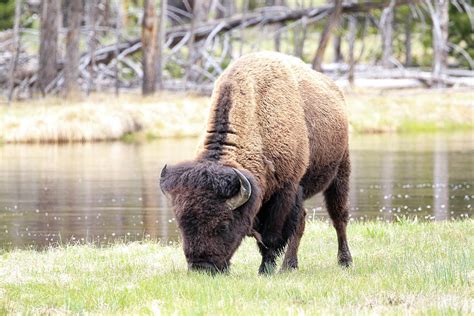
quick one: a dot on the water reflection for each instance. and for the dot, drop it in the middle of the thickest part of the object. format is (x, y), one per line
(100, 192)
(441, 179)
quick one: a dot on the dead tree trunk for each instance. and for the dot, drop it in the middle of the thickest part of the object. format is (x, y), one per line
(106, 12)
(386, 30)
(91, 41)
(15, 52)
(277, 38)
(440, 18)
(149, 37)
(328, 28)
(161, 44)
(299, 42)
(191, 47)
(408, 54)
(337, 44)
(200, 11)
(245, 6)
(352, 26)
(228, 9)
(118, 37)
(71, 67)
(48, 49)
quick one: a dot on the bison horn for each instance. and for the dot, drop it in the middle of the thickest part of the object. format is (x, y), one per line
(244, 193)
(163, 173)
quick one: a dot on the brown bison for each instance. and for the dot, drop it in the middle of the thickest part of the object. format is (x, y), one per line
(277, 134)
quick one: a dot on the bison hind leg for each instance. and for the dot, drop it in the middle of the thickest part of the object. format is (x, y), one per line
(336, 198)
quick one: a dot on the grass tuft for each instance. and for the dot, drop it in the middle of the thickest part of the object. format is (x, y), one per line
(411, 267)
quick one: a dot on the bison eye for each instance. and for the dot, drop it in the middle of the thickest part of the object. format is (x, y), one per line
(223, 228)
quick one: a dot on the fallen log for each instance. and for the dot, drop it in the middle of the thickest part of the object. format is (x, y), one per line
(263, 16)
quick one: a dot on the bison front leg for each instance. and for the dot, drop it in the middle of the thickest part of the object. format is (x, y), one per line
(336, 197)
(276, 223)
(290, 262)
(269, 256)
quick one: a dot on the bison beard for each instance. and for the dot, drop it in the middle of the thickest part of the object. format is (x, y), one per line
(277, 134)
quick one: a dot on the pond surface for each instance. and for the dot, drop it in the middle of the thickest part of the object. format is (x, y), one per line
(100, 192)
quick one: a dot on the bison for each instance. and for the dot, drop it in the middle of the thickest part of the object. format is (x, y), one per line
(277, 134)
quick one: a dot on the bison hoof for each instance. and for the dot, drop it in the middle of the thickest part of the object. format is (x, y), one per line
(266, 269)
(345, 260)
(289, 265)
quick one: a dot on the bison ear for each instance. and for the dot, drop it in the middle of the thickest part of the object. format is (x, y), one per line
(244, 193)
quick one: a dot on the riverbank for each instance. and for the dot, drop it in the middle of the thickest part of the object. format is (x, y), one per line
(130, 117)
(406, 267)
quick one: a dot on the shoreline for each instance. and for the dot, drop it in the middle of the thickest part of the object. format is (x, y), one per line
(132, 118)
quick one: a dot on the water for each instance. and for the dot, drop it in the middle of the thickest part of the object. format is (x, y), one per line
(100, 192)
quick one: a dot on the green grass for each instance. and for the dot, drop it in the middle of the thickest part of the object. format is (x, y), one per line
(406, 267)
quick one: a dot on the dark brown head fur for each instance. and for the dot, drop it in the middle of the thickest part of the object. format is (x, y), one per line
(211, 231)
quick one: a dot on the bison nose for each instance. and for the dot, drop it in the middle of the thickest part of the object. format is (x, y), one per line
(203, 267)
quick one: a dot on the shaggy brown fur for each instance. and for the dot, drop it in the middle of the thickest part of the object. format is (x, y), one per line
(283, 125)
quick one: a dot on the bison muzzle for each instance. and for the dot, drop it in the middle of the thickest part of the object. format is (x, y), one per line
(277, 134)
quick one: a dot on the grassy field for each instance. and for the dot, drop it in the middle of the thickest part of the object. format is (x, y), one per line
(132, 117)
(407, 267)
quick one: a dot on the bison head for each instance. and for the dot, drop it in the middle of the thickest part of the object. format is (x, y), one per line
(213, 206)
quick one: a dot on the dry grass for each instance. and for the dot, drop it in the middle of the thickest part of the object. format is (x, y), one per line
(131, 117)
(410, 110)
(103, 117)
